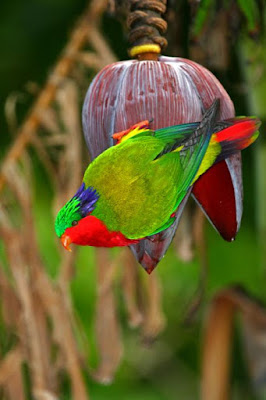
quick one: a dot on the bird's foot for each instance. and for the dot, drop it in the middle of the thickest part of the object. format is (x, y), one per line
(133, 130)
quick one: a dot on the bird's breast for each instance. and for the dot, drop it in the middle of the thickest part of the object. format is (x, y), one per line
(91, 231)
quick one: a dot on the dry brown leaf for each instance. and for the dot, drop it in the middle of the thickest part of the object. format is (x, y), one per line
(131, 289)
(107, 327)
(216, 358)
(183, 240)
(154, 319)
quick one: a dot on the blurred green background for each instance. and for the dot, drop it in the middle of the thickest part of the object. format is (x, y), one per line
(32, 33)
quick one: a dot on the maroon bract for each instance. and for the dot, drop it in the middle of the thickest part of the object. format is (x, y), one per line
(168, 92)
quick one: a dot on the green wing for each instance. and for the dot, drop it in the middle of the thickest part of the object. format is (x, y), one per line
(194, 147)
(176, 133)
(134, 188)
(192, 153)
(140, 186)
(172, 134)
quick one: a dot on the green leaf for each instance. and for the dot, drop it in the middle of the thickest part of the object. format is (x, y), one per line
(202, 15)
(250, 9)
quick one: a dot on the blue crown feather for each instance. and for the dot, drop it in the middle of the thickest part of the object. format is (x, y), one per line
(87, 199)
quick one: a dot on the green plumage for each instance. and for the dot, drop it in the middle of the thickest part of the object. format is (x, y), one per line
(67, 214)
(142, 181)
(135, 187)
(138, 191)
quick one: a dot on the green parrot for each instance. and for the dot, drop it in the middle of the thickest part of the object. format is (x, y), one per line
(133, 190)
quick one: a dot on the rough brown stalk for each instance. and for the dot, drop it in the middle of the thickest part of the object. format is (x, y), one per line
(217, 343)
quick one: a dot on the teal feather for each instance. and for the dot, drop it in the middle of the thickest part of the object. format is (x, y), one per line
(176, 133)
(139, 191)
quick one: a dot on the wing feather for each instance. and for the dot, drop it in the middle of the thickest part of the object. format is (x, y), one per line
(139, 191)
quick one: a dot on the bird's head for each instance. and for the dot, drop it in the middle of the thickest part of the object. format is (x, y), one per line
(68, 223)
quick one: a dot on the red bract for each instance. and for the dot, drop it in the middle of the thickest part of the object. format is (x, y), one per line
(169, 91)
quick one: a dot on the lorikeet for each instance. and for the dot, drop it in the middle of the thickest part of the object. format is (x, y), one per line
(133, 190)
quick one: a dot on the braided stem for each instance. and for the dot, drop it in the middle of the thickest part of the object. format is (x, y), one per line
(146, 27)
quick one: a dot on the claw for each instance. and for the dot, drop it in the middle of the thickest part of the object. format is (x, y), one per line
(140, 125)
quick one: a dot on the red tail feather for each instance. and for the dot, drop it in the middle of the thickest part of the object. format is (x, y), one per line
(242, 132)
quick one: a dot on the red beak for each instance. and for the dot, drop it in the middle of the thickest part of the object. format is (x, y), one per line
(66, 241)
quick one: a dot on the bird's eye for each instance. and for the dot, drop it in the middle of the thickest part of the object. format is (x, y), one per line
(74, 223)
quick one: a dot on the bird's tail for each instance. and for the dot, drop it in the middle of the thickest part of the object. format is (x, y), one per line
(229, 137)
(237, 135)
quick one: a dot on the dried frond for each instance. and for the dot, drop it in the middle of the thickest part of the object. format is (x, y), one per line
(39, 310)
(107, 328)
(154, 321)
(216, 359)
(131, 289)
(79, 37)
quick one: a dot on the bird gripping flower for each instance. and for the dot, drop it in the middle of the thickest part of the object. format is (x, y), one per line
(133, 190)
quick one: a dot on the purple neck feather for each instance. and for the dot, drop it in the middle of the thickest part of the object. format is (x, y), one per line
(87, 199)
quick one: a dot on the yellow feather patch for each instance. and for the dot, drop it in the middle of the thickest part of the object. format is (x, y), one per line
(132, 133)
(211, 154)
(178, 148)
